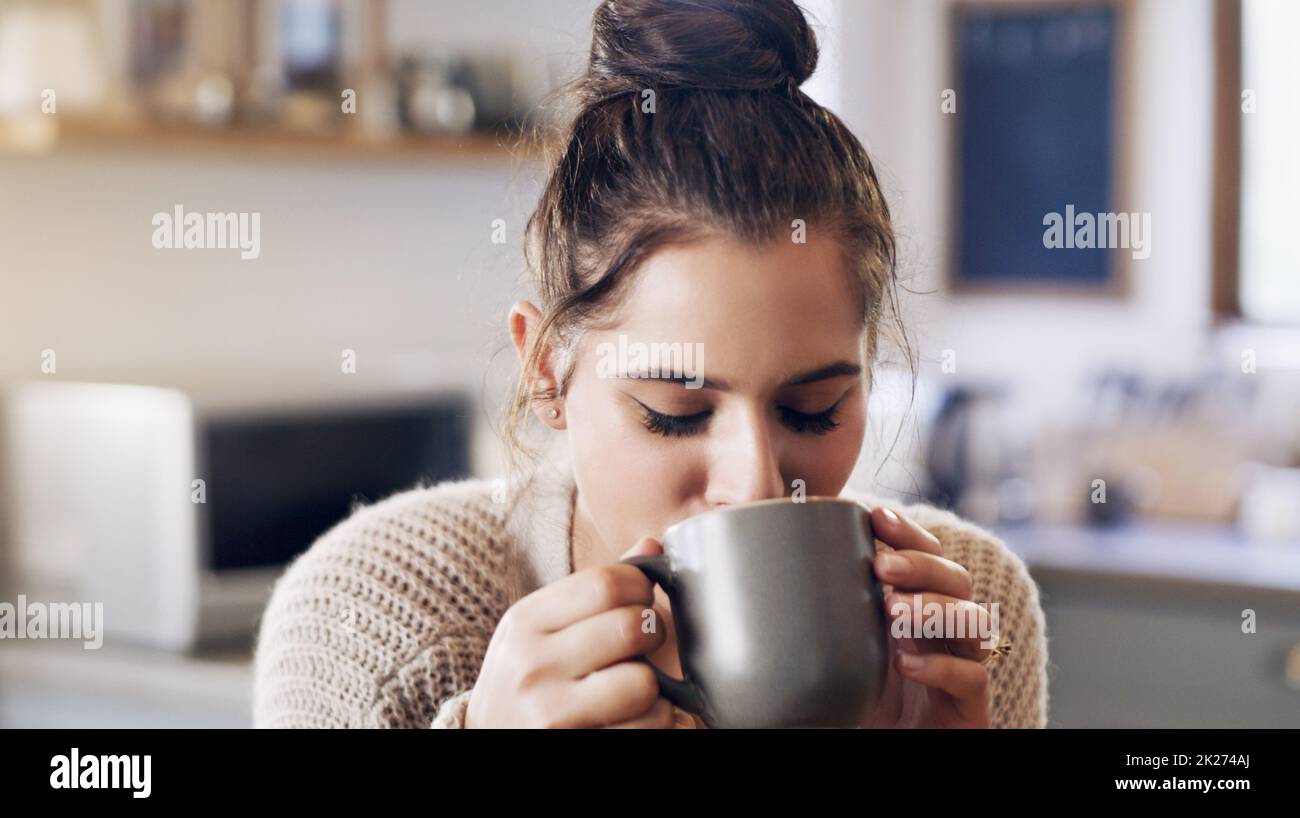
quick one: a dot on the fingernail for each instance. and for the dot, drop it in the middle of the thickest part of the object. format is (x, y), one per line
(891, 516)
(895, 565)
(911, 661)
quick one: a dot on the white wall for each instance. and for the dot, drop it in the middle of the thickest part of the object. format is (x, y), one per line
(393, 259)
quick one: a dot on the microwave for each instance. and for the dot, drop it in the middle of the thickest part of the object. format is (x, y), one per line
(179, 513)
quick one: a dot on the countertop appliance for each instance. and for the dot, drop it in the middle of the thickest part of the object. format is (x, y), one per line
(178, 512)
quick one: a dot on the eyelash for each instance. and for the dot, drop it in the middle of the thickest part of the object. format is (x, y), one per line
(685, 425)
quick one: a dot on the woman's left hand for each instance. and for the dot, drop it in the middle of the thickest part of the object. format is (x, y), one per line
(950, 668)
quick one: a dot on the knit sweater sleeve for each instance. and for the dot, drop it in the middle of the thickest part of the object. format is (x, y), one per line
(1018, 681)
(387, 617)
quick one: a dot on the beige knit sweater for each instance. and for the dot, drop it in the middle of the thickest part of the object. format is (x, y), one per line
(385, 620)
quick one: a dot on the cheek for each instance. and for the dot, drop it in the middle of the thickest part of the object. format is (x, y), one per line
(630, 480)
(603, 430)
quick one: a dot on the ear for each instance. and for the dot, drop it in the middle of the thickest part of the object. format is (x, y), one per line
(525, 321)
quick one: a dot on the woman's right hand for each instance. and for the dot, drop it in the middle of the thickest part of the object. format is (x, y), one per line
(566, 655)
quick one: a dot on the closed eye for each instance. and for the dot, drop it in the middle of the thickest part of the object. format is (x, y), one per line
(666, 425)
(818, 423)
(673, 425)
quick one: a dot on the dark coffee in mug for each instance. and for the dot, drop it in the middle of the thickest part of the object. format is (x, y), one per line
(778, 613)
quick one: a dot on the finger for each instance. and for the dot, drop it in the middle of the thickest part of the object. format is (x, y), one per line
(661, 716)
(617, 693)
(937, 622)
(585, 594)
(604, 639)
(920, 571)
(898, 531)
(965, 681)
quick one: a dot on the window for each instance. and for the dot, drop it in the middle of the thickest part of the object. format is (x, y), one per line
(1266, 286)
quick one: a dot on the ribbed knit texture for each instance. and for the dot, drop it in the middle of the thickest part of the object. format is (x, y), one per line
(385, 620)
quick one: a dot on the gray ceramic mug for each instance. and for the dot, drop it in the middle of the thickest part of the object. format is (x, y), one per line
(778, 612)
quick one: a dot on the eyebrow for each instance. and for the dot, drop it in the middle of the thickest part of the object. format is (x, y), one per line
(835, 370)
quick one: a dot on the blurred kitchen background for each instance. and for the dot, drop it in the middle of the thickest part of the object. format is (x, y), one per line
(177, 425)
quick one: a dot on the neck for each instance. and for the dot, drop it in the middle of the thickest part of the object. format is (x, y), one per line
(586, 548)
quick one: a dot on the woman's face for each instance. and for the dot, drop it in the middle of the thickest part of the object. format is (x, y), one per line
(774, 335)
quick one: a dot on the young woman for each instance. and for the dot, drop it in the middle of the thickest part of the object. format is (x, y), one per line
(700, 199)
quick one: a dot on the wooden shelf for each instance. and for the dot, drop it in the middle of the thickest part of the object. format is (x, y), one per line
(279, 143)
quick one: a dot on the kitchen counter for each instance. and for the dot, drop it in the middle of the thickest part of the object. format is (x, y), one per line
(1213, 554)
(54, 683)
(1166, 625)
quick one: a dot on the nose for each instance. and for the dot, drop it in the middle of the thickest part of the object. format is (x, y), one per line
(747, 466)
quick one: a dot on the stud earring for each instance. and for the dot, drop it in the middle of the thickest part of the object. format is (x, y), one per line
(554, 413)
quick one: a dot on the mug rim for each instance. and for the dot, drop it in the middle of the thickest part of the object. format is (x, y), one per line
(758, 503)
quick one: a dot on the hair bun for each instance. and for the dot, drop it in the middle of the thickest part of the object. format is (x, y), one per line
(743, 45)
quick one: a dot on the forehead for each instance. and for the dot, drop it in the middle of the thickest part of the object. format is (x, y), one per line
(763, 308)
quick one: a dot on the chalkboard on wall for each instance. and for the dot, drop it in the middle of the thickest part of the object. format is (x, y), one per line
(1035, 124)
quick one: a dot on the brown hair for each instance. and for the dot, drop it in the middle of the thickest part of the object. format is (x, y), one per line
(690, 122)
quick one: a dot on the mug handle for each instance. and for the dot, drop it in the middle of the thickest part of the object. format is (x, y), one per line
(684, 693)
